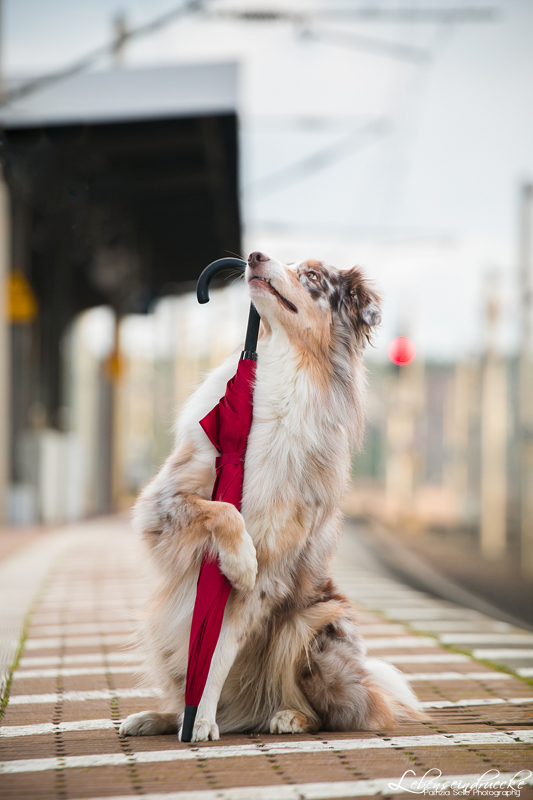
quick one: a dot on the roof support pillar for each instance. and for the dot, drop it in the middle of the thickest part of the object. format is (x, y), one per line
(5, 367)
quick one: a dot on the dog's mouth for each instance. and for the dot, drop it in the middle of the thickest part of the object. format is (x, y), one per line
(287, 303)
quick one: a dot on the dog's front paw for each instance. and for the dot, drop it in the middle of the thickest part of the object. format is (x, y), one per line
(288, 721)
(236, 550)
(203, 731)
(149, 723)
(239, 564)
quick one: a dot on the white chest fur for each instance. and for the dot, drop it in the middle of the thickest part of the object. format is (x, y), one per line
(298, 448)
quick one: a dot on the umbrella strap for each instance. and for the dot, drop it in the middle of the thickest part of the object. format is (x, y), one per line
(229, 458)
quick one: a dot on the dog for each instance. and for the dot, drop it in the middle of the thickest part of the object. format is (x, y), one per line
(290, 657)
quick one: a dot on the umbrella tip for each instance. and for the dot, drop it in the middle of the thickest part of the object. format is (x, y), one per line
(188, 723)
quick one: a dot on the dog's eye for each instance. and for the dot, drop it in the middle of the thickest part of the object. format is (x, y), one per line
(312, 275)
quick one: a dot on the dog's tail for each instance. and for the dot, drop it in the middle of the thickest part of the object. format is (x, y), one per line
(405, 704)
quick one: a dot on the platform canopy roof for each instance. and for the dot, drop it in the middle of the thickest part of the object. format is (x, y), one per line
(124, 186)
(120, 95)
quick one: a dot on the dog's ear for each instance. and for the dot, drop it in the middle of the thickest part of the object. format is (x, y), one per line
(364, 303)
(371, 315)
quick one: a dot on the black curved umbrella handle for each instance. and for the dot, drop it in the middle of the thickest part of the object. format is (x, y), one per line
(213, 269)
(202, 293)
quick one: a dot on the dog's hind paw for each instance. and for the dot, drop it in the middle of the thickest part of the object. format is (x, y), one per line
(149, 723)
(204, 730)
(288, 721)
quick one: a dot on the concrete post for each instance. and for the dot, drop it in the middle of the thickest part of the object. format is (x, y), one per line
(457, 432)
(406, 401)
(5, 366)
(526, 384)
(493, 435)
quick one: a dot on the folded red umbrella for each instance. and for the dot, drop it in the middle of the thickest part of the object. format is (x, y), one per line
(227, 425)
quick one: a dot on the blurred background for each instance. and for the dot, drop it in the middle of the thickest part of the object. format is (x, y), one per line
(142, 140)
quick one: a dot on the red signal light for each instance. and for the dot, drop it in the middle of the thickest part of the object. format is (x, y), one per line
(401, 351)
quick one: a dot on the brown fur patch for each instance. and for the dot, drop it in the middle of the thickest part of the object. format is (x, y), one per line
(380, 708)
(226, 523)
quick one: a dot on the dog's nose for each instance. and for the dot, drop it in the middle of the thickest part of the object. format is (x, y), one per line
(256, 258)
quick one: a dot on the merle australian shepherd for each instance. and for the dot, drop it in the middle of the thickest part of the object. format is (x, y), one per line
(290, 657)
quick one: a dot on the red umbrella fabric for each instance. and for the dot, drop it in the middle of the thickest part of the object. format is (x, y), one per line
(227, 426)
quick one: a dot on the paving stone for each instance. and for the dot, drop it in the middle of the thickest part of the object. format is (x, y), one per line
(29, 786)
(188, 776)
(28, 747)
(32, 686)
(89, 709)
(97, 782)
(79, 743)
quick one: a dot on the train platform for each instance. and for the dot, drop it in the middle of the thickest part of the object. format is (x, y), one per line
(68, 601)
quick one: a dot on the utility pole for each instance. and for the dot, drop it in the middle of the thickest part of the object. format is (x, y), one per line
(457, 435)
(121, 37)
(5, 366)
(406, 393)
(115, 374)
(493, 433)
(525, 400)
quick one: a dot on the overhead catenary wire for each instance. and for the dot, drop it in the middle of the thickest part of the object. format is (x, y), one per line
(93, 56)
(362, 137)
(370, 13)
(357, 140)
(404, 52)
(458, 14)
(443, 238)
(321, 159)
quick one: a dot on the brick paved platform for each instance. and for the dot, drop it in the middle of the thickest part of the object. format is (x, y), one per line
(67, 604)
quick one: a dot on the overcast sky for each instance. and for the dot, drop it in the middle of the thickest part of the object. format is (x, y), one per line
(422, 149)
